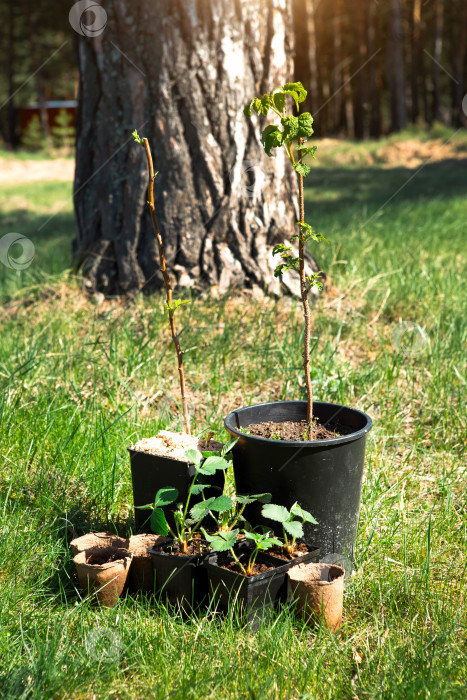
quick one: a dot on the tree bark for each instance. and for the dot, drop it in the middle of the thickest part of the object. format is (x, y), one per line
(360, 70)
(180, 72)
(374, 77)
(458, 26)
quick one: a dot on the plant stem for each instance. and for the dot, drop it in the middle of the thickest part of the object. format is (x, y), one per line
(306, 307)
(237, 560)
(168, 285)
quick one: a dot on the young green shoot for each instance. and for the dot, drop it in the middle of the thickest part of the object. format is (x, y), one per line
(171, 304)
(293, 138)
(290, 525)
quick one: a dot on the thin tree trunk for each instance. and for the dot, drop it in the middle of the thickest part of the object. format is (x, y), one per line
(458, 54)
(336, 80)
(395, 64)
(36, 71)
(415, 68)
(375, 111)
(12, 136)
(361, 78)
(438, 52)
(180, 72)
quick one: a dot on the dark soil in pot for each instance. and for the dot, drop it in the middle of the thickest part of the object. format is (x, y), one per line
(296, 431)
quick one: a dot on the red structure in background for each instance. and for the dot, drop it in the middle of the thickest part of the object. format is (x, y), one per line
(53, 107)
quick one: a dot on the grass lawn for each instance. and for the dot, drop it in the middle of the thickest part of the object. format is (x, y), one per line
(80, 379)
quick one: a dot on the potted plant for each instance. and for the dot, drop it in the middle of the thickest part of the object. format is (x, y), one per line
(178, 562)
(243, 577)
(305, 452)
(159, 460)
(292, 547)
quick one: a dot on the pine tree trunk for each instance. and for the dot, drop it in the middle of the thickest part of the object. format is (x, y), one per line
(180, 72)
(373, 74)
(360, 70)
(395, 65)
(439, 21)
(415, 67)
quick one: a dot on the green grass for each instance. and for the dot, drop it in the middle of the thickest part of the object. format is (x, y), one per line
(80, 380)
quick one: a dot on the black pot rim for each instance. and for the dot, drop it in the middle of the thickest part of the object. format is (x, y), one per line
(229, 420)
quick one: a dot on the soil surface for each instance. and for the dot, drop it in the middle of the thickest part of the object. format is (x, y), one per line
(174, 445)
(258, 568)
(105, 555)
(296, 431)
(300, 549)
(198, 546)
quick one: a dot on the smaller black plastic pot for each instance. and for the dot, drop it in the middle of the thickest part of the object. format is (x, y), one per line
(181, 579)
(149, 473)
(252, 595)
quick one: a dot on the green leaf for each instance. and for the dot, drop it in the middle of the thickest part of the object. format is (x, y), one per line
(194, 456)
(201, 509)
(302, 169)
(214, 463)
(261, 497)
(136, 137)
(165, 497)
(198, 488)
(290, 125)
(307, 151)
(294, 528)
(228, 447)
(221, 504)
(223, 541)
(158, 522)
(305, 125)
(266, 103)
(302, 513)
(179, 302)
(255, 103)
(274, 512)
(271, 138)
(297, 88)
(278, 98)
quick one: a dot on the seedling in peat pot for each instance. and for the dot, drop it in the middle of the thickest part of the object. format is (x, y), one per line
(290, 525)
(293, 137)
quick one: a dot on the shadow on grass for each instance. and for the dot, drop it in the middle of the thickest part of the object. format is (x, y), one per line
(330, 192)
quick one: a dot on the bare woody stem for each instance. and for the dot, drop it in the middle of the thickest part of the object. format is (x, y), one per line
(306, 307)
(168, 285)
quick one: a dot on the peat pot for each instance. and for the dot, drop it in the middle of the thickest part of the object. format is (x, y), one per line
(149, 473)
(323, 476)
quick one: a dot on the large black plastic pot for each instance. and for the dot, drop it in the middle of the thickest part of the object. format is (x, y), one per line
(181, 579)
(149, 473)
(323, 476)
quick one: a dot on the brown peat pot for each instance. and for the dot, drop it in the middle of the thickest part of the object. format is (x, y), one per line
(323, 476)
(318, 592)
(103, 571)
